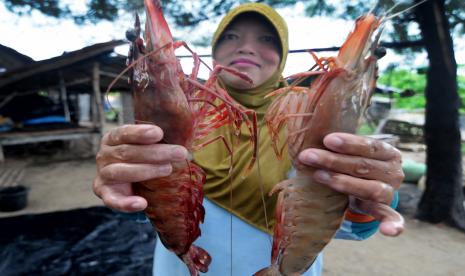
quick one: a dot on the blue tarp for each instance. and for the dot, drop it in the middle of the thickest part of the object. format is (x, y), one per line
(92, 241)
(46, 120)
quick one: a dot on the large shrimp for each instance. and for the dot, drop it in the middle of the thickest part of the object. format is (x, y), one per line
(308, 214)
(187, 111)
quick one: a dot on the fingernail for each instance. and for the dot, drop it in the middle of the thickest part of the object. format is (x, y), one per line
(178, 153)
(394, 229)
(152, 132)
(310, 158)
(322, 176)
(165, 170)
(137, 205)
(334, 141)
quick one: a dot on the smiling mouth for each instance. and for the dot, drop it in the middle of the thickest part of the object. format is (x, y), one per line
(245, 62)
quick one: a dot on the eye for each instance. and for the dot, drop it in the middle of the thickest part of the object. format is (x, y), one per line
(268, 39)
(229, 36)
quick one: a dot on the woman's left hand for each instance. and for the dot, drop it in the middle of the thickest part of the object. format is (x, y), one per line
(367, 170)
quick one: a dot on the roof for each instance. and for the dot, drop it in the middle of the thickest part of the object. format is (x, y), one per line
(11, 59)
(75, 67)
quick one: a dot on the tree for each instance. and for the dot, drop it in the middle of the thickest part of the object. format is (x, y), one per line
(184, 13)
(443, 197)
(188, 13)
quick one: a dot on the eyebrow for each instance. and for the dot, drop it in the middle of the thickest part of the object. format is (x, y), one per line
(266, 32)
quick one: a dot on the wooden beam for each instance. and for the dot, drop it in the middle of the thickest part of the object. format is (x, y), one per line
(113, 75)
(67, 84)
(8, 98)
(98, 96)
(19, 140)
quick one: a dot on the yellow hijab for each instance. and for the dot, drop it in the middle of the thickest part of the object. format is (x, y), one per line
(243, 196)
(255, 98)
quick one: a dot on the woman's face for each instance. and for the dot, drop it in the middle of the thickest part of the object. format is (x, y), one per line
(250, 46)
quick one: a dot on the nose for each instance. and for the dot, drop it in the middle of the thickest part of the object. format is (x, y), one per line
(246, 46)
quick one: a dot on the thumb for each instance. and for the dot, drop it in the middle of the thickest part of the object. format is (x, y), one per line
(391, 222)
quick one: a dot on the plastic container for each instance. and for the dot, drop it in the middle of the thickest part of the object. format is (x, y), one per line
(413, 170)
(13, 198)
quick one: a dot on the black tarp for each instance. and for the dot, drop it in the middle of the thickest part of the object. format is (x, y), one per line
(92, 241)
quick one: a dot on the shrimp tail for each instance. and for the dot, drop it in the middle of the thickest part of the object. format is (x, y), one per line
(272, 270)
(196, 259)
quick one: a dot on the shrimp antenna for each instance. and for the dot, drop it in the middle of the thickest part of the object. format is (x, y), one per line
(375, 7)
(402, 11)
(375, 43)
(393, 7)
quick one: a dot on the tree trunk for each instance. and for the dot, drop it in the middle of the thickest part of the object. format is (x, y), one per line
(442, 201)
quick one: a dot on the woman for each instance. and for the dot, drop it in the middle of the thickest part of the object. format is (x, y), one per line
(252, 39)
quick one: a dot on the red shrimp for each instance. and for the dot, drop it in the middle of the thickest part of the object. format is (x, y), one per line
(186, 111)
(308, 214)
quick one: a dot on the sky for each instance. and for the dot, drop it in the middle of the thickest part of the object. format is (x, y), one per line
(42, 37)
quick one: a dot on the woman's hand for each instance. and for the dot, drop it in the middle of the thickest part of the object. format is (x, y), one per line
(367, 170)
(131, 153)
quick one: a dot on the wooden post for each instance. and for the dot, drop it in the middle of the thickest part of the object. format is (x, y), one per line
(100, 116)
(94, 111)
(64, 97)
(2, 156)
(127, 110)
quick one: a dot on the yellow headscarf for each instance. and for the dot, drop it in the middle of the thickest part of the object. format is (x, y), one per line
(255, 98)
(244, 196)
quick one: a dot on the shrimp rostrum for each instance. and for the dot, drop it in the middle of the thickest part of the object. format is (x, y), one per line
(308, 214)
(187, 112)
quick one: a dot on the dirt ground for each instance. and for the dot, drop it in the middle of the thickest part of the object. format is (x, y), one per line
(423, 249)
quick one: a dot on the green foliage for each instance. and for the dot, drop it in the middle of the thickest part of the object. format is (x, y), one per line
(111, 115)
(183, 12)
(405, 80)
(192, 12)
(461, 91)
(47, 7)
(189, 13)
(456, 9)
(418, 101)
(365, 129)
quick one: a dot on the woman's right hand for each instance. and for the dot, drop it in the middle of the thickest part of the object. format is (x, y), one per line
(131, 153)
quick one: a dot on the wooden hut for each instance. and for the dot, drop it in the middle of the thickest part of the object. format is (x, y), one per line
(89, 70)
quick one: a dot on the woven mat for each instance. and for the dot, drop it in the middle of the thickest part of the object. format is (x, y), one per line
(10, 176)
